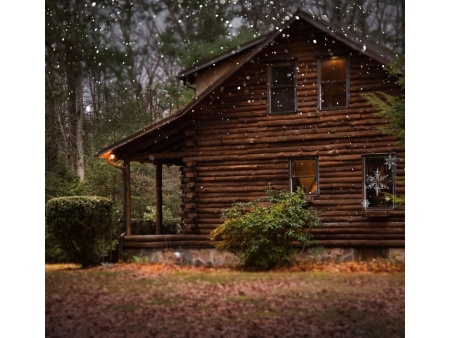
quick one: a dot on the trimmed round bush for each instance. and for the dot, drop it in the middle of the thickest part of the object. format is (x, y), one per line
(78, 223)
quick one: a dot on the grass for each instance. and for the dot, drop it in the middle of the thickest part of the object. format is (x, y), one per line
(158, 300)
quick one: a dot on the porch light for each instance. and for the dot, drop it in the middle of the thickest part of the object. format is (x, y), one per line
(112, 156)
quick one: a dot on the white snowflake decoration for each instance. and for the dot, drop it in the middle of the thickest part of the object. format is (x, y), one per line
(389, 161)
(365, 204)
(376, 181)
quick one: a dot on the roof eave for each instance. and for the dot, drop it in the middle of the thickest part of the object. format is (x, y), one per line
(245, 47)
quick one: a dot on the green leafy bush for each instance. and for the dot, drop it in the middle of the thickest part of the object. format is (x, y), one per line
(263, 235)
(77, 224)
(53, 253)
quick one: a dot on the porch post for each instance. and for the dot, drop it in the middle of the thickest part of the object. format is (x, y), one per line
(127, 196)
(158, 198)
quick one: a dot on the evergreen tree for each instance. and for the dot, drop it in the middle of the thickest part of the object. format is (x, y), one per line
(392, 108)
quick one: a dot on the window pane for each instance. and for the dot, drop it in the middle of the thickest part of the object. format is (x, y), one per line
(334, 94)
(283, 100)
(283, 75)
(304, 174)
(333, 70)
(304, 168)
(308, 184)
(379, 179)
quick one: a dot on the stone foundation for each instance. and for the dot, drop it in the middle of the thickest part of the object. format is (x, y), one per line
(211, 257)
(191, 256)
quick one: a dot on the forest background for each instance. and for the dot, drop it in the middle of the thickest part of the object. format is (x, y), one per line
(111, 69)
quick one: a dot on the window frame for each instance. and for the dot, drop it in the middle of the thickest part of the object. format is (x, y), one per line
(290, 160)
(364, 190)
(269, 86)
(319, 82)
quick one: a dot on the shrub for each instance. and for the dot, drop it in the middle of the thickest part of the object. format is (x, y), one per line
(263, 235)
(53, 253)
(77, 224)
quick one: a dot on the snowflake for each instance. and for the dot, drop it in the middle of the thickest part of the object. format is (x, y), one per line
(387, 198)
(389, 161)
(365, 204)
(376, 181)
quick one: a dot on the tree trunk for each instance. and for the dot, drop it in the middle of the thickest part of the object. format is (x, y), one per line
(80, 132)
(72, 113)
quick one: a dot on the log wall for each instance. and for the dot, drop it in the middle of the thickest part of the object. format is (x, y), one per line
(236, 149)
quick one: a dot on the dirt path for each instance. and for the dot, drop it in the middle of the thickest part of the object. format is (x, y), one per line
(142, 300)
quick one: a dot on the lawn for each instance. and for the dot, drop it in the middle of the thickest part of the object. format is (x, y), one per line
(157, 300)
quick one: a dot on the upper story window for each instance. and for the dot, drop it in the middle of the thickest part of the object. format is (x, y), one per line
(333, 82)
(304, 172)
(282, 88)
(378, 179)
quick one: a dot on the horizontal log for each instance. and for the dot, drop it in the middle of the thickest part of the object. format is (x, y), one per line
(340, 180)
(360, 212)
(230, 194)
(244, 172)
(210, 221)
(325, 186)
(243, 167)
(350, 207)
(160, 238)
(264, 183)
(336, 169)
(337, 202)
(207, 226)
(198, 231)
(358, 236)
(362, 243)
(358, 231)
(244, 162)
(268, 178)
(189, 132)
(263, 188)
(228, 199)
(301, 118)
(365, 225)
(351, 173)
(188, 243)
(322, 128)
(332, 192)
(191, 185)
(312, 126)
(291, 138)
(351, 219)
(191, 164)
(341, 196)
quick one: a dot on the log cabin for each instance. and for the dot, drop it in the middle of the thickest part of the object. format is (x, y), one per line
(286, 109)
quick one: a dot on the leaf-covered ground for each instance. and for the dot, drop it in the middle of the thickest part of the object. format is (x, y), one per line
(157, 300)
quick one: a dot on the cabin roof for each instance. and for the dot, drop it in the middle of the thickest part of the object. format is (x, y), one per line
(368, 47)
(365, 46)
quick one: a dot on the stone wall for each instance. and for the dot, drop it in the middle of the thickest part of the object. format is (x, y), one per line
(211, 257)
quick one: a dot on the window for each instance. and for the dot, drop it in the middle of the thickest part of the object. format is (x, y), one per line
(378, 179)
(304, 172)
(333, 82)
(282, 88)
